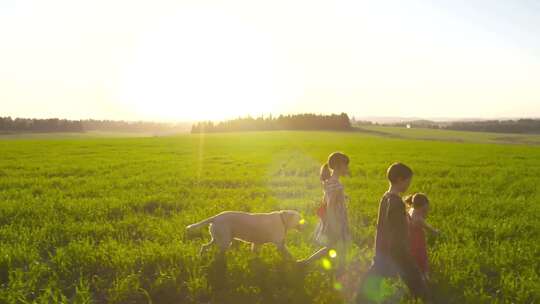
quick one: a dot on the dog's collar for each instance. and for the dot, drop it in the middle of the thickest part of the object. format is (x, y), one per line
(283, 221)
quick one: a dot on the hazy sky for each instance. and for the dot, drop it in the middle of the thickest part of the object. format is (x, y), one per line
(179, 60)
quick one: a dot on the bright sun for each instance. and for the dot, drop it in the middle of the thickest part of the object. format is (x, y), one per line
(201, 65)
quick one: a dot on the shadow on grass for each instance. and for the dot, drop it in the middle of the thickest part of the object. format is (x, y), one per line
(260, 282)
(217, 276)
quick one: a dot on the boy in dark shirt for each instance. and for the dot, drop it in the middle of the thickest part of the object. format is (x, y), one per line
(392, 254)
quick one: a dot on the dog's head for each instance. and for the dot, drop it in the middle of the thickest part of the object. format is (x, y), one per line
(293, 219)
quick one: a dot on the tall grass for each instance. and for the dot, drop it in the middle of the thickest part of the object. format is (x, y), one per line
(101, 220)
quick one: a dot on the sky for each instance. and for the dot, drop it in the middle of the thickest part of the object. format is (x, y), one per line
(193, 60)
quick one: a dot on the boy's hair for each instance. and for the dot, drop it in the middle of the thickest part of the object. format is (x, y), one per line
(417, 200)
(334, 160)
(398, 171)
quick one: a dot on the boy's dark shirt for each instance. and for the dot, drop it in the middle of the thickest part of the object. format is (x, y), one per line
(392, 236)
(392, 254)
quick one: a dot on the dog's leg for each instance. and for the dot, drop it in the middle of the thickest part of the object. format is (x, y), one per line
(206, 246)
(212, 240)
(223, 238)
(284, 251)
(222, 249)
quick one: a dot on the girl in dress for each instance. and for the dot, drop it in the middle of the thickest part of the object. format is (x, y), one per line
(419, 209)
(332, 232)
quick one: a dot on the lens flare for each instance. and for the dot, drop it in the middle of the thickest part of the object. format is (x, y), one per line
(326, 264)
(302, 221)
(376, 289)
(332, 253)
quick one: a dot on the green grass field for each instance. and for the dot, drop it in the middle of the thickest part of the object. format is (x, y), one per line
(101, 220)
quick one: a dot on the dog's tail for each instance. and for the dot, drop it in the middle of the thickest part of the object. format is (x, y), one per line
(200, 224)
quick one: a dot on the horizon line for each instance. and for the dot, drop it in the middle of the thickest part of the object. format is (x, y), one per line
(370, 118)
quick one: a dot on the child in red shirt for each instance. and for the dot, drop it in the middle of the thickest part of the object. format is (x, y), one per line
(392, 246)
(418, 211)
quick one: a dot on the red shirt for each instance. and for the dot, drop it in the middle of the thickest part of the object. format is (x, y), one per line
(418, 241)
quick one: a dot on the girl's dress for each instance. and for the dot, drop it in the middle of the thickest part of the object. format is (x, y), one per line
(333, 226)
(418, 241)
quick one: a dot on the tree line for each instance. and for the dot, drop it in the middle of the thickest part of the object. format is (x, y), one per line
(496, 126)
(7, 124)
(500, 126)
(21, 125)
(282, 122)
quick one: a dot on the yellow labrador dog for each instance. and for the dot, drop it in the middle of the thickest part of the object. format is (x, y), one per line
(254, 228)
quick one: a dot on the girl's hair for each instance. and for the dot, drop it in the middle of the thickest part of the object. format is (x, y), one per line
(417, 200)
(334, 160)
(398, 171)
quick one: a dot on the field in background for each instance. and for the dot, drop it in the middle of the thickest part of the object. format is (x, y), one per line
(102, 219)
(450, 135)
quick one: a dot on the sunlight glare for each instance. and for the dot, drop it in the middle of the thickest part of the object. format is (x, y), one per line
(189, 68)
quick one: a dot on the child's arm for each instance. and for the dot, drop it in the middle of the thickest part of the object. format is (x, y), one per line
(425, 225)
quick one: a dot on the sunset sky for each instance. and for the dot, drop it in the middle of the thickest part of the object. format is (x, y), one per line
(191, 60)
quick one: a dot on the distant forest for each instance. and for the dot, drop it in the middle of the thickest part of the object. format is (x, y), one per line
(23, 125)
(525, 126)
(339, 122)
(282, 122)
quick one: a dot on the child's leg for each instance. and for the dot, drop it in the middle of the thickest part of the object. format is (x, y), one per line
(413, 278)
(341, 252)
(370, 285)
